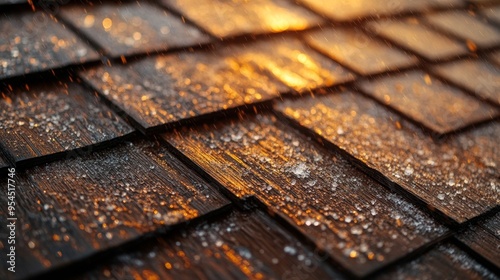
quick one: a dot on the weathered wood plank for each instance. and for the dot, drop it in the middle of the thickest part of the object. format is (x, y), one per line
(71, 209)
(419, 39)
(456, 175)
(130, 28)
(239, 246)
(483, 242)
(358, 51)
(443, 262)
(493, 225)
(295, 64)
(45, 119)
(33, 42)
(361, 224)
(437, 106)
(167, 89)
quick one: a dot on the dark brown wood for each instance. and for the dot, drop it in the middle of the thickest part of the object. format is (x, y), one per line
(493, 225)
(33, 42)
(443, 262)
(428, 101)
(238, 246)
(483, 243)
(132, 28)
(75, 208)
(358, 222)
(453, 175)
(166, 89)
(45, 119)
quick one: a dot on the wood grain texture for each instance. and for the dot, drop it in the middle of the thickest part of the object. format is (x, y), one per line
(493, 225)
(361, 224)
(455, 175)
(45, 119)
(483, 242)
(33, 42)
(410, 93)
(74, 208)
(443, 262)
(133, 27)
(238, 246)
(295, 64)
(360, 52)
(167, 89)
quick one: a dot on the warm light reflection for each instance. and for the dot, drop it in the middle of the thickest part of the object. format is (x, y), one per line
(228, 18)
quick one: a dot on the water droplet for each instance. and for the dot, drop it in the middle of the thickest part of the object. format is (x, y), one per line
(312, 183)
(348, 219)
(356, 230)
(409, 171)
(290, 250)
(301, 170)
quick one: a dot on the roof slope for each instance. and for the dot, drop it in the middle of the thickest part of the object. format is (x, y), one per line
(251, 139)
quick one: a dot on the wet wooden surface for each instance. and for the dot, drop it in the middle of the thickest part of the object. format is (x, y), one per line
(360, 52)
(167, 89)
(415, 37)
(428, 101)
(42, 120)
(135, 211)
(294, 64)
(229, 19)
(493, 225)
(237, 246)
(72, 209)
(456, 175)
(479, 77)
(358, 222)
(471, 29)
(33, 42)
(482, 242)
(127, 28)
(446, 261)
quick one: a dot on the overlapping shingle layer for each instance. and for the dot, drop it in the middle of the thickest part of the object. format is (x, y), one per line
(251, 139)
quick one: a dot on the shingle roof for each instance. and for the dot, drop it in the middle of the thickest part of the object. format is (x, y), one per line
(250, 139)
